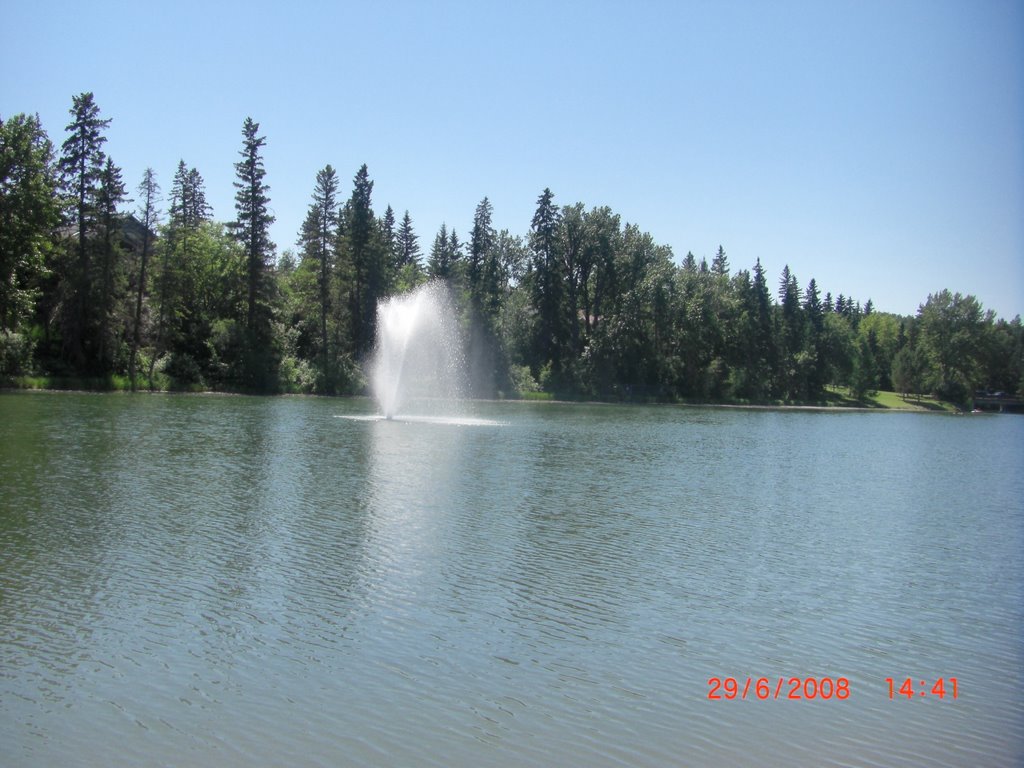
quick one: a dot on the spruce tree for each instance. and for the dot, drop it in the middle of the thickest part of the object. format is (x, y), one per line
(389, 250)
(483, 282)
(180, 327)
(548, 285)
(815, 350)
(407, 243)
(366, 262)
(720, 264)
(439, 266)
(110, 195)
(764, 334)
(81, 165)
(149, 193)
(812, 304)
(455, 253)
(480, 272)
(318, 239)
(252, 230)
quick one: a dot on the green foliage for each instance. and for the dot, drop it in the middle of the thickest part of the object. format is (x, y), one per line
(149, 192)
(864, 378)
(954, 334)
(909, 368)
(366, 264)
(583, 306)
(28, 213)
(313, 284)
(521, 381)
(445, 256)
(15, 353)
(252, 230)
(81, 166)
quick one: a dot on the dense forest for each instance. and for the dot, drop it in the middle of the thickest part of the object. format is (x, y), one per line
(153, 292)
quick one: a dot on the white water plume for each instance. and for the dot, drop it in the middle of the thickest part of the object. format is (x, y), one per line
(418, 362)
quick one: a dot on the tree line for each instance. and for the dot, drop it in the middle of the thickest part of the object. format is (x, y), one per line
(582, 305)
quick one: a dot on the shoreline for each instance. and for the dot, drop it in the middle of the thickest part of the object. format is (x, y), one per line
(925, 405)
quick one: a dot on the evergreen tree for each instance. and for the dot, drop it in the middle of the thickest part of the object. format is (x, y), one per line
(481, 268)
(366, 263)
(175, 254)
(814, 352)
(455, 254)
(864, 379)
(110, 195)
(838, 350)
(252, 230)
(548, 286)
(182, 326)
(762, 377)
(483, 277)
(481, 243)
(720, 264)
(407, 243)
(441, 262)
(318, 240)
(389, 245)
(81, 165)
(812, 304)
(791, 340)
(149, 193)
(410, 270)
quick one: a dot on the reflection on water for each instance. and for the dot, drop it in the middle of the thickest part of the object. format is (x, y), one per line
(252, 581)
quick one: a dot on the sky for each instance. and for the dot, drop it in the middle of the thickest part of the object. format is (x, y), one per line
(877, 147)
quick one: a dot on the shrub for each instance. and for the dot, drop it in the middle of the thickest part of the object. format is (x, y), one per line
(15, 354)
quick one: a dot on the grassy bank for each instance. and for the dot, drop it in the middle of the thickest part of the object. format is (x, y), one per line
(833, 397)
(111, 383)
(890, 401)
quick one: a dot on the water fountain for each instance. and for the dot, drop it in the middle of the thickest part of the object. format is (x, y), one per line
(418, 364)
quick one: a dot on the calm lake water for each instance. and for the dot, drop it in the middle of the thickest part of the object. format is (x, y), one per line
(202, 580)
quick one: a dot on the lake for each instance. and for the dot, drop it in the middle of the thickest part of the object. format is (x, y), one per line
(234, 581)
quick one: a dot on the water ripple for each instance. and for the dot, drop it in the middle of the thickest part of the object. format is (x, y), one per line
(259, 582)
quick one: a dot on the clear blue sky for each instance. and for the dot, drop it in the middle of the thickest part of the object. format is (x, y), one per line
(875, 146)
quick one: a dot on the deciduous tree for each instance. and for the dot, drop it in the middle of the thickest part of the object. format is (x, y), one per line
(29, 212)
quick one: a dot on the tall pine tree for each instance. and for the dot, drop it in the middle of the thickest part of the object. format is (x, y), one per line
(110, 272)
(366, 263)
(548, 286)
(410, 270)
(318, 240)
(441, 263)
(181, 322)
(408, 244)
(252, 230)
(149, 193)
(81, 166)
